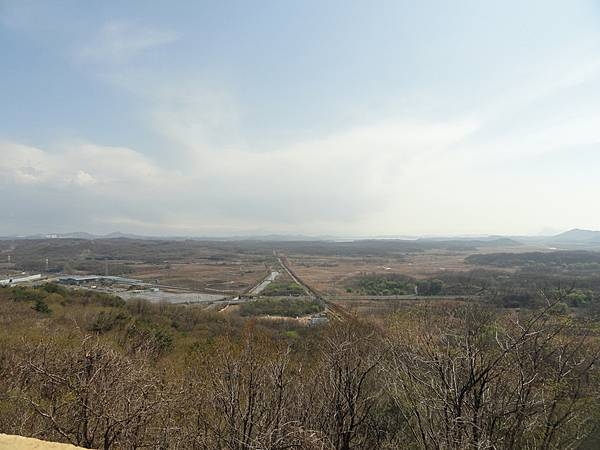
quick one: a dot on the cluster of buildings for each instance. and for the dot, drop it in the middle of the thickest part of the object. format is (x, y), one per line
(78, 280)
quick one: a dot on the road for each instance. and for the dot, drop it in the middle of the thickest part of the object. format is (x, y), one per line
(264, 283)
(309, 290)
(333, 310)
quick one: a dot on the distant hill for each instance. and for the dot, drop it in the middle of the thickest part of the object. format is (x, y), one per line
(572, 238)
(577, 235)
(76, 235)
(120, 235)
(547, 259)
(490, 241)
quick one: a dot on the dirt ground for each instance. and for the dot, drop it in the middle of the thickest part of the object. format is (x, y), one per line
(384, 307)
(226, 277)
(232, 268)
(12, 442)
(328, 274)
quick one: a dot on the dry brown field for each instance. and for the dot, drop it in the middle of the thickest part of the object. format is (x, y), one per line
(226, 276)
(233, 267)
(380, 309)
(329, 274)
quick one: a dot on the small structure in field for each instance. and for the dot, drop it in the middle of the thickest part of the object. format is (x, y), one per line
(318, 319)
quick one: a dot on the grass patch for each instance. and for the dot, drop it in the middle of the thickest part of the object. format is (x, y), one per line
(283, 307)
(283, 289)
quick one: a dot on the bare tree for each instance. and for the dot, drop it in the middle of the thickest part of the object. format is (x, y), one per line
(346, 389)
(89, 395)
(245, 399)
(474, 380)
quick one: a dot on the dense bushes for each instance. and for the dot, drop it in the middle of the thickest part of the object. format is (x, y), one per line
(581, 259)
(429, 287)
(283, 289)
(394, 284)
(59, 294)
(375, 284)
(108, 320)
(280, 307)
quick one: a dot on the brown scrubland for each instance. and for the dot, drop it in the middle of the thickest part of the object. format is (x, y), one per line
(497, 350)
(90, 370)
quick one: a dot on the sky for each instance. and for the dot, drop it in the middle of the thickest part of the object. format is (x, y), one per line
(338, 118)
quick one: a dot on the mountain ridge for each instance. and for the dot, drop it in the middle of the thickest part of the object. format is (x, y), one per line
(576, 235)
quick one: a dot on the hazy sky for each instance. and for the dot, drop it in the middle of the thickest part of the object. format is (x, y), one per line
(314, 117)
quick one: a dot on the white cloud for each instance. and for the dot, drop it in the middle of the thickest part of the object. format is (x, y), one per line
(391, 175)
(338, 179)
(119, 41)
(81, 164)
(23, 164)
(388, 176)
(83, 178)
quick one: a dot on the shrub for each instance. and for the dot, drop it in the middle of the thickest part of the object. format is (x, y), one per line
(430, 287)
(107, 320)
(53, 288)
(41, 306)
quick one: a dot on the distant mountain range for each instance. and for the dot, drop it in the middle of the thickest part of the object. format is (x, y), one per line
(77, 235)
(578, 236)
(572, 238)
(119, 235)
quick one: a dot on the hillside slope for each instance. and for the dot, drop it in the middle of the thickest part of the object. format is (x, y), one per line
(577, 235)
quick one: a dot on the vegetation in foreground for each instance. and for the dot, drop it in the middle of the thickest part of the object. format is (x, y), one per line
(99, 373)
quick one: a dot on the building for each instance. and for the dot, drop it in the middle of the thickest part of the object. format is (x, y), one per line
(17, 280)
